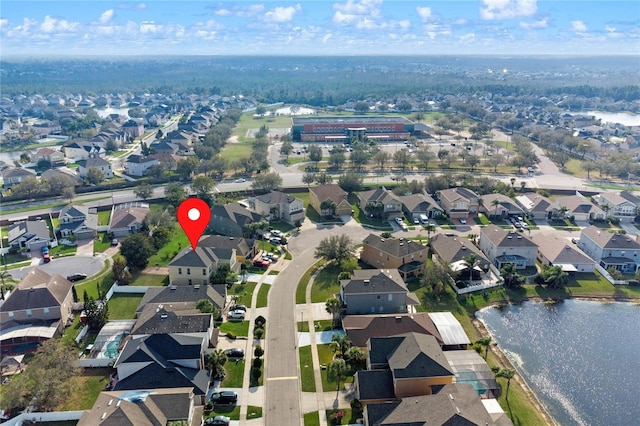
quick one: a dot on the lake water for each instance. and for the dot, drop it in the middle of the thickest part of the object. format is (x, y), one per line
(617, 117)
(582, 359)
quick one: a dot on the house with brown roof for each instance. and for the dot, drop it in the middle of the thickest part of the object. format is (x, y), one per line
(554, 251)
(332, 198)
(277, 205)
(231, 219)
(610, 250)
(375, 291)
(380, 202)
(54, 157)
(94, 162)
(417, 205)
(406, 256)
(38, 308)
(360, 328)
(12, 176)
(498, 205)
(458, 202)
(452, 250)
(535, 205)
(127, 218)
(504, 247)
(579, 207)
(623, 205)
(145, 407)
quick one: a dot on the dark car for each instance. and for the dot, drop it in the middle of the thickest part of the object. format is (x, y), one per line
(217, 421)
(46, 257)
(238, 308)
(234, 353)
(224, 397)
(76, 277)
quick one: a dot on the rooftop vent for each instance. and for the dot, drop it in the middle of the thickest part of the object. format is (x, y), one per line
(401, 244)
(366, 282)
(519, 237)
(382, 240)
(174, 287)
(398, 319)
(104, 415)
(464, 247)
(164, 316)
(509, 237)
(110, 401)
(197, 286)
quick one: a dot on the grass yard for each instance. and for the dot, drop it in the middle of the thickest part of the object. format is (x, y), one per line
(254, 412)
(104, 281)
(312, 419)
(149, 280)
(304, 281)
(306, 369)
(86, 389)
(243, 292)
(235, 374)
(123, 306)
(263, 294)
(346, 418)
(103, 217)
(71, 332)
(326, 283)
(238, 328)
(178, 241)
(63, 250)
(325, 356)
(231, 411)
(362, 218)
(102, 243)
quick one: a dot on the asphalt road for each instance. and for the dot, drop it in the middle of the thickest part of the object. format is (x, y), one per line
(282, 380)
(65, 266)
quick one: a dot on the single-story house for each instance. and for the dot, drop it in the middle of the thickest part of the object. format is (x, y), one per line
(127, 218)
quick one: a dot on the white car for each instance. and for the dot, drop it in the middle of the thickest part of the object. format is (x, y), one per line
(399, 219)
(240, 180)
(463, 221)
(236, 315)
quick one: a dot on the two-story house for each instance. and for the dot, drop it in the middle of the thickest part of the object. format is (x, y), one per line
(137, 165)
(78, 221)
(12, 176)
(504, 247)
(375, 291)
(191, 267)
(96, 163)
(329, 200)
(458, 202)
(54, 157)
(381, 203)
(134, 127)
(610, 250)
(277, 205)
(82, 150)
(406, 256)
(39, 308)
(623, 205)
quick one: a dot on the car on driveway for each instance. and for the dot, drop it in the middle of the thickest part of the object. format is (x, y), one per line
(238, 308)
(218, 421)
(261, 263)
(463, 221)
(234, 353)
(236, 316)
(224, 397)
(240, 180)
(76, 277)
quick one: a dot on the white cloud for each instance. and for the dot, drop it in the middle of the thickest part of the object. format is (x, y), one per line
(542, 23)
(106, 16)
(4, 22)
(405, 24)
(578, 26)
(223, 12)
(343, 18)
(609, 29)
(150, 27)
(139, 6)
(282, 14)
(468, 38)
(363, 7)
(51, 25)
(507, 9)
(326, 38)
(424, 12)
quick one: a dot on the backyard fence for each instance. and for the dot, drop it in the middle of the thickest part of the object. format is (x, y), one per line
(57, 416)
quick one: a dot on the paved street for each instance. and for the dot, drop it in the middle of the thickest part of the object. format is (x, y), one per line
(64, 266)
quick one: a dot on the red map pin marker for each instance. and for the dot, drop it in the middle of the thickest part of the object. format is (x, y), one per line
(193, 216)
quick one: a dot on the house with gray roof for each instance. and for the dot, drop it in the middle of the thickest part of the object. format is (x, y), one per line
(579, 207)
(458, 202)
(498, 205)
(82, 150)
(416, 205)
(66, 173)
(610, 250)
(452, 250)
(184, 297)
(375, 291)
(127, 218)
(504, 247)
(245, 248)
(163, 361)
(190, 267)
(29, 234)
(231, 219)
(406, 256)
(138, 165)
(416, 364)
(330, 195)
(78, 221)
(277, 205)
(623, 205)
(94, 162)
(380, 202)
(145, 407)
(555, 250)
(535, 205)
(12, 176)
(360, 328)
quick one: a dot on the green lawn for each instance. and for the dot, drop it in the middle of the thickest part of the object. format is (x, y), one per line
(306, 370)
(63, 250)
(87, 387)
(239, 328)
(312, 419)
(362, 218)
(235, 374)
(346, 419)
(102, 243)
(231, 411)
(123, 306)
(254, 412)
(178, 241)
(304, 281)
(325, 356)
(326, 283)
(263, 294)
(243, 292)
(103, 217)
(149, 280)
(71, 332)
(104, 280)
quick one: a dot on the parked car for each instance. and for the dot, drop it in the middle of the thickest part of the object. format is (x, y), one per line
(236, 315)
(275, 240)
(277, 233)
(463, 221)
(46, 257)
(218, 421)
(261, 263)
(240, 180)
(76, 277)
(416, 221)
(45, 250)
(114, 242)
(238, 308)
(224, 397)
(398, 219)
(234, 353)
(272, 257)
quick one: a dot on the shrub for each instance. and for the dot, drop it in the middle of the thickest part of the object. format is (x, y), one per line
(260, 321)
(231, 335)
(614, 220)
(257, 363)
(258, 351)
(258, 333)
(255, 374)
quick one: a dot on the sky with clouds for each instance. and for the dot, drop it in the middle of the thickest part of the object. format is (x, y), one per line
(352, 27)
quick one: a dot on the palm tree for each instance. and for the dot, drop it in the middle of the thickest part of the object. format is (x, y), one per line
(508, 374)
(338, 368)
(495, 203)
(333, 306)
(470, 262)
(340, 344)
(481, 205)
(485, 341)
(3, 275)
(509, 273)
(355, 357)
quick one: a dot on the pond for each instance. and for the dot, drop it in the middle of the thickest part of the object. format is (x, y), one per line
(581, 358)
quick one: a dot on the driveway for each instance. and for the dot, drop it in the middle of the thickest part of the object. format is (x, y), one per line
(64, 266)
(85, 248)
